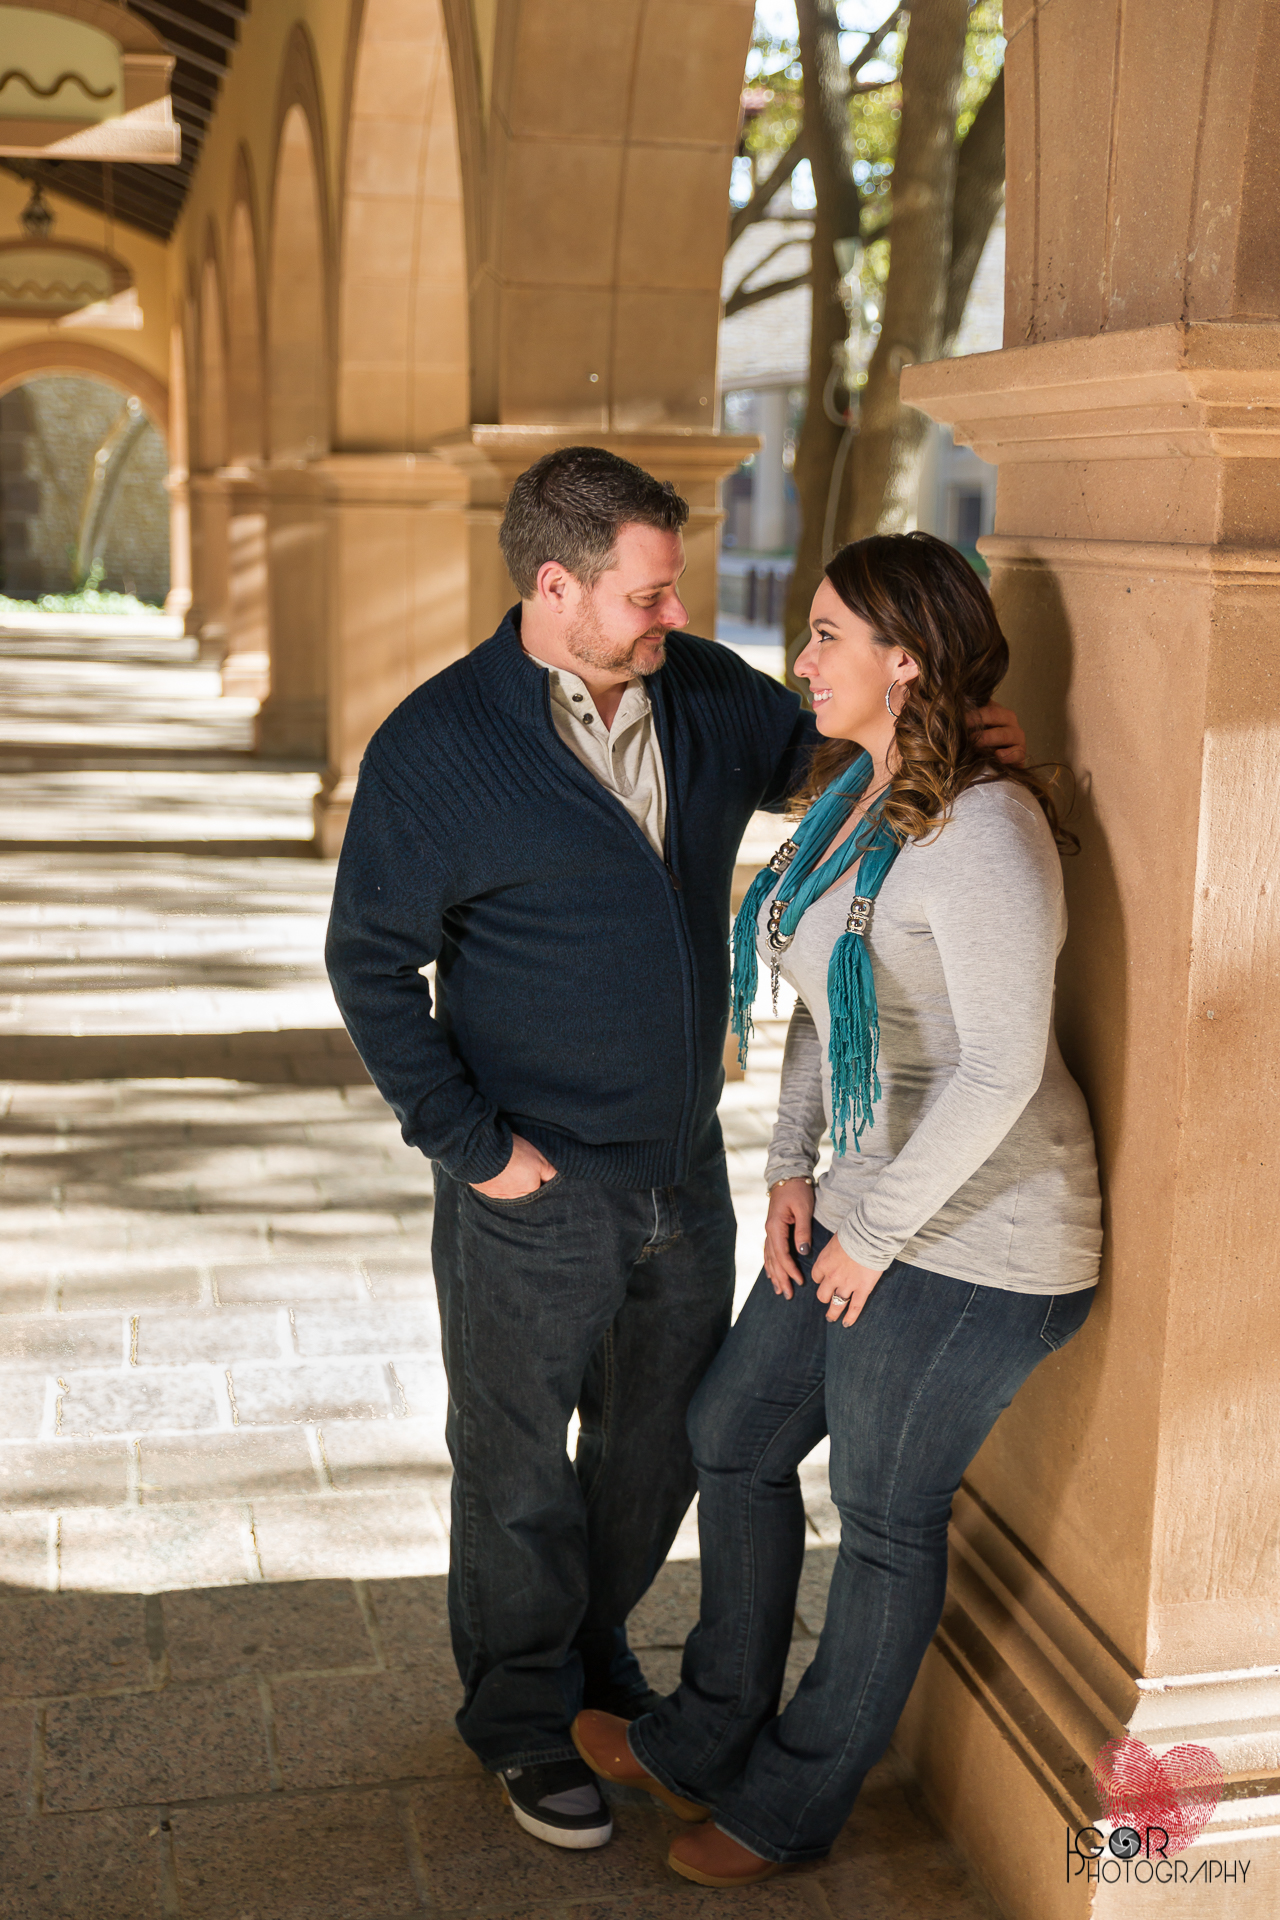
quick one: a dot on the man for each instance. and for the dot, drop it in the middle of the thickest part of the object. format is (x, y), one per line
(554, 821)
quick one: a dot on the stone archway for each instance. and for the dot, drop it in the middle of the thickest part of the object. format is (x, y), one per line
(548, 183)
(246, 667)
(211, 398)
(98, 363)
(245, 422)
(403, 373)
(292, 717)
(297, 289)
(566, 163)
(209, 614)
(610, 134)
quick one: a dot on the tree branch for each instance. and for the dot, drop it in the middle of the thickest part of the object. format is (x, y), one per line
(758, 205)
(740, 299)
(979, 197)
(871, 47)
(792, 240)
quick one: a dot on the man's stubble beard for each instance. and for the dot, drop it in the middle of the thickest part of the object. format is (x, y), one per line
(587, 642)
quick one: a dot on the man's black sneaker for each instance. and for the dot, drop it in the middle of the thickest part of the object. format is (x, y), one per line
(627, 1706)
(559, 1801)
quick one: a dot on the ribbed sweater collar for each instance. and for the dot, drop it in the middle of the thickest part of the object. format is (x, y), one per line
(512, 680)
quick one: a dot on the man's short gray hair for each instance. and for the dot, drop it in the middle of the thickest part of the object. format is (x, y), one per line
(569, 507)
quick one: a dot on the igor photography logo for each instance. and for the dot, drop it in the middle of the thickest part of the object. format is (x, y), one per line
(1156, 1805)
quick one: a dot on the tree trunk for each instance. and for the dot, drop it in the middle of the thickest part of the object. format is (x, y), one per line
(889, 447)
(837, 216)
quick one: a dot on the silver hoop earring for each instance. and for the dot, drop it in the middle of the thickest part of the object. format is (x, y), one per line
(888, 700)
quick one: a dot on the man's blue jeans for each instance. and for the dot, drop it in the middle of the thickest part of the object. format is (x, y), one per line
(610, 1301)
(908, 1394)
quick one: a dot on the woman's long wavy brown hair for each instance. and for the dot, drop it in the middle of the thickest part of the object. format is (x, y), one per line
(918, 594)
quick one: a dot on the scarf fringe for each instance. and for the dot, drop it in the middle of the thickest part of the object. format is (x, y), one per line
(854, 1049)
(746, 973)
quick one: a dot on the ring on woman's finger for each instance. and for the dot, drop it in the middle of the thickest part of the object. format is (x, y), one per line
(836, 1301)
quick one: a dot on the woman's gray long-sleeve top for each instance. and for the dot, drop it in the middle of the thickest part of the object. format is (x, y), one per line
(981, 1162)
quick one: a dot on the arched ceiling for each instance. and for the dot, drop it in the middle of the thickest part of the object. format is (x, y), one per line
(201, 34)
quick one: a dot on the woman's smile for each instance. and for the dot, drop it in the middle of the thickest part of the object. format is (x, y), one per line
(849, 671)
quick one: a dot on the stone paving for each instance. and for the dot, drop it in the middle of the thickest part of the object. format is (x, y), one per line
(225, 1685)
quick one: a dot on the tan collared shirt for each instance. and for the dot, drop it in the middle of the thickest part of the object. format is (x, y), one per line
(625, 757)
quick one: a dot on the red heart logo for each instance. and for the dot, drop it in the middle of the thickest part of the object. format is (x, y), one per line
(1177, 1790)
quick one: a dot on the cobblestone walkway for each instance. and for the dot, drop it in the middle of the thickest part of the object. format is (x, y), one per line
(225, 1685)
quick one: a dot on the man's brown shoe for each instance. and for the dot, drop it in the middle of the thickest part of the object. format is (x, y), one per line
(716, 1859)
(601, 1739)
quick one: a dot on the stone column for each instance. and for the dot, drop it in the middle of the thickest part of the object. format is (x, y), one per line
(178, 480)
(209, 617)
(418, 578)
(300, 586)
(1116, 1548)
(401, 606)
(246, 664)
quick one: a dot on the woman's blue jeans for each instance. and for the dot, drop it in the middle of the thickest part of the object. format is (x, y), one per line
(908, 1395)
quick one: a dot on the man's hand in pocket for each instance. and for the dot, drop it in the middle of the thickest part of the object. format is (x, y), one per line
(525, 1172)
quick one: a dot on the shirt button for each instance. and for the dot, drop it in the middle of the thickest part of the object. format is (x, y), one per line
(577, 696)
(586, 719)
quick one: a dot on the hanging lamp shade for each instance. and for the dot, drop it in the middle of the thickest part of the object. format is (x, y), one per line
(66, 281)
(84, 80)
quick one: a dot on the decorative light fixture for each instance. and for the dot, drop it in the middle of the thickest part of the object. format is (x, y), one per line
(66, 282)
(84, 80)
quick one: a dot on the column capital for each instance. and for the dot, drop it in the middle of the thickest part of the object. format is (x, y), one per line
(1171, 392)
(1168, 434)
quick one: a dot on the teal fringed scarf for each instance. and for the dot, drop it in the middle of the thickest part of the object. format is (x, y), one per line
(851, 989)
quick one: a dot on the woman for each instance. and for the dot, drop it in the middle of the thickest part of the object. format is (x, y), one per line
(951, 1245)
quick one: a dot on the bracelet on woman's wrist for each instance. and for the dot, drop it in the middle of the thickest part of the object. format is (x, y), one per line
(806, 1177)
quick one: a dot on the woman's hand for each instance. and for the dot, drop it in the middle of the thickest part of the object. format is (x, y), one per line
(790, 1208)
(842, 1284)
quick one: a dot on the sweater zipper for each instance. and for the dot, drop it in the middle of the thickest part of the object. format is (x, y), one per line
(682, 929)
(682, 925)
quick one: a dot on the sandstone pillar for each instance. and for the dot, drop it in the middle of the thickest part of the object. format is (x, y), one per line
(1117, 1555)
(246, 663)
(178, 480)
(210, 612)
(300, 585)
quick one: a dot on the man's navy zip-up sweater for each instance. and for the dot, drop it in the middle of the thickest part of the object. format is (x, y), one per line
(581, 980)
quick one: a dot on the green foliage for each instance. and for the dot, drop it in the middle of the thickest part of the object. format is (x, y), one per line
(89, 599)
(983, 59)
(774, 66)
